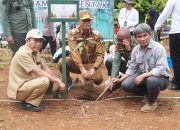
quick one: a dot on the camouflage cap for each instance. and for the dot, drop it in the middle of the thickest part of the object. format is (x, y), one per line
(85, 14)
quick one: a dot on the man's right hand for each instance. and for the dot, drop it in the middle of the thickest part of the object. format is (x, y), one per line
(10, 40)
(85, 73)
(61, 85)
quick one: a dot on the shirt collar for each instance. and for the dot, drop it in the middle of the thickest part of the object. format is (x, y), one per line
(29, 50)
(150, 45)
(81, 30)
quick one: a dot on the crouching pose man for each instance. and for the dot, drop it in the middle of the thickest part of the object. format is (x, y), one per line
(148, 72)
(29, 78)
(87, 52)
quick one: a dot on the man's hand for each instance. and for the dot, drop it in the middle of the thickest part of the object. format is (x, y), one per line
(85, 73)
(126, 43)
(91, 72)
(116, 80)
(61, 85)
(54, 38)
(10, 40)
(139, 79)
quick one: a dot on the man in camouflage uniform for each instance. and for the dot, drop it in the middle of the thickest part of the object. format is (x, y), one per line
(124, 45)
(87, 51)
(19, 18)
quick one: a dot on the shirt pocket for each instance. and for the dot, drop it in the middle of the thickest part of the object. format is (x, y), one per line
(139, 61)
(91, 46)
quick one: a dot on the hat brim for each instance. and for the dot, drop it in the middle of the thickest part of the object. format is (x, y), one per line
(36, 38)
(85, 18)
(129, 2)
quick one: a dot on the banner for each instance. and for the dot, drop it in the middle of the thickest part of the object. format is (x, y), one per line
(102, 15)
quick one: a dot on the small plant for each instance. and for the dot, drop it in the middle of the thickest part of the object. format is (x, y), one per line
(81, 43)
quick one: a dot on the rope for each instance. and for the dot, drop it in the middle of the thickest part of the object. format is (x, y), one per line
(107, 99)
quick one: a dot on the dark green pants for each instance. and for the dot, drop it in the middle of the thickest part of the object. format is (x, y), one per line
(19, 40)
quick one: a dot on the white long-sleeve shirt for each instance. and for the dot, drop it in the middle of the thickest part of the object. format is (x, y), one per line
(172, 7)
(130, 16)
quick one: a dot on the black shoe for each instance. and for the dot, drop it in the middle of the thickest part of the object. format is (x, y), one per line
(58, 95)
(174, 87)
(30, 107)
(70, 85)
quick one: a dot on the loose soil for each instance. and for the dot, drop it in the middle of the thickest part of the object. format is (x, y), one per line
(114, 111)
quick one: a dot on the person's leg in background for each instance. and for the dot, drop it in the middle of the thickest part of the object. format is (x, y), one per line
(108, 64)
(45, 42)
(52, 43)
(175, 56)
(19, 40)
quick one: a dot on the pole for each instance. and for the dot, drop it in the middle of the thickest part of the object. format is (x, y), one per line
(64, 79)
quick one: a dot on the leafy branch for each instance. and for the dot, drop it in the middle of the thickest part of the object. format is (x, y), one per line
(81, 43)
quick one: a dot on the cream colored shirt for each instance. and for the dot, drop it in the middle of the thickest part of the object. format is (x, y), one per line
(21, 68)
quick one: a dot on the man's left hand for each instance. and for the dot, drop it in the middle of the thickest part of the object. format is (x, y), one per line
(91, 72)
(139, 79)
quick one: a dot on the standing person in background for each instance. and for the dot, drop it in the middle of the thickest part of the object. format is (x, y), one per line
(128, 16)
(48, 33)
(19, 18)
(151, 19)
(173, 7)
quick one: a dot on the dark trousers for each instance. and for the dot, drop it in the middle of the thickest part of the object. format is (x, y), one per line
(19, 40)
(117, 66)
(52, 43)
(150, 87)
(108, 64)
(175, 56)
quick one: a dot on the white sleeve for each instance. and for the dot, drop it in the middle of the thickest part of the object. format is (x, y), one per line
(136, 18)
(120, 19)
(165, 14)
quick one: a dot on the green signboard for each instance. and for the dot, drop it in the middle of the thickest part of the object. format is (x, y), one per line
(63, 11)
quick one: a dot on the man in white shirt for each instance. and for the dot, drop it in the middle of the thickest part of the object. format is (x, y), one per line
(128, 16)
(173, 8)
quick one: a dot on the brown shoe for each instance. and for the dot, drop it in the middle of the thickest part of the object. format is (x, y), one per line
(149, 107)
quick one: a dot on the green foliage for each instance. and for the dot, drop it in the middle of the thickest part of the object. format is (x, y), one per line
(81, 44)
(80, 47)
(144, 5)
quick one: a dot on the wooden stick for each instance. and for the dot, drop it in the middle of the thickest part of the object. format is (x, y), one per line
(106, 88)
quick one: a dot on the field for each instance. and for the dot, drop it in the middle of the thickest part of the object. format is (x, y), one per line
(118, 110)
